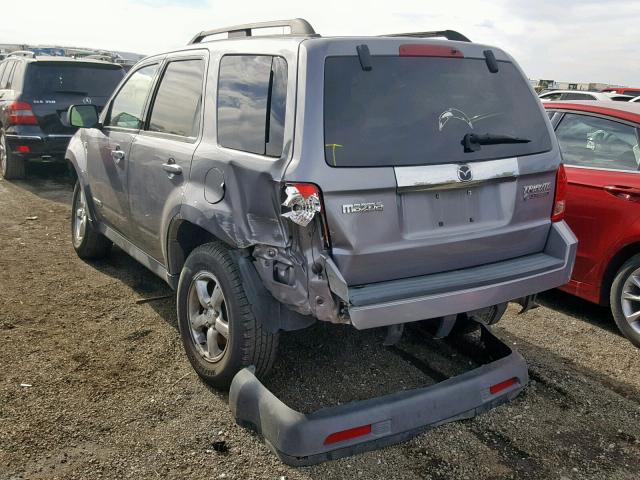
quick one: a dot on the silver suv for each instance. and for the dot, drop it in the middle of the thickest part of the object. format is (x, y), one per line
(281, 179)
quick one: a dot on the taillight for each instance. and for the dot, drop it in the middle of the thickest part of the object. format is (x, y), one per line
(560, 199)
(20, 113)
(303, 201)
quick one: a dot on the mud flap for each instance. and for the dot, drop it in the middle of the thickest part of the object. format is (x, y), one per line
(335, 432)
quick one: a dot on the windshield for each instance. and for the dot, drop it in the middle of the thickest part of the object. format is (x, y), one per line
(417, 111)
(73, 78)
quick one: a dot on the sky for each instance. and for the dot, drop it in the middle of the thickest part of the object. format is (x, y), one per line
(569, 40)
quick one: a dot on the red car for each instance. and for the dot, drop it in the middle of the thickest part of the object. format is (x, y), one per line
(634, 92)
(600, 144)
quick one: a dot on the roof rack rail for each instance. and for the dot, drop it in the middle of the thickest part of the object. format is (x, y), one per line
(298, 26)
(448, 34)
(22, 53)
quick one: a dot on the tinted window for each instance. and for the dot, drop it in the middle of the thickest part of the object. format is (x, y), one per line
(577, 96)
(176, 109)
(88, 80)
(551, 96)
(5, 74)
(416, 111)
(597, 142)
(252, 93)
(128, 105)
(3, 65)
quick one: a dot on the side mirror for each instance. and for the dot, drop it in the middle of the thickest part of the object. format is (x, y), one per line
(83, 116)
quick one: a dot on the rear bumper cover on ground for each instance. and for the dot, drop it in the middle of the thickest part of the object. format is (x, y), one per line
(300, 439)
(449, 293)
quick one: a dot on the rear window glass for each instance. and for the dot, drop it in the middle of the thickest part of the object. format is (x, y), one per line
(416, 111)
(80, 79)
(252, 98)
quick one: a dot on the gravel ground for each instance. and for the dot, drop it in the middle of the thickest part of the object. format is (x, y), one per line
(113, 396)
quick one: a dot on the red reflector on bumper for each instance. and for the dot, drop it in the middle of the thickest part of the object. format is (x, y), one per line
(498, 387)
(348, 434)
(23, 149)
(417, 50)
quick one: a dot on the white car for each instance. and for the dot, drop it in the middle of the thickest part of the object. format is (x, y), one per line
(636, 99)
(583, 95)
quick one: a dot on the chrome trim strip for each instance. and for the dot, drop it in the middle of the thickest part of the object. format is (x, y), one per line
(59, 135)
(23, 137)
(445, 176)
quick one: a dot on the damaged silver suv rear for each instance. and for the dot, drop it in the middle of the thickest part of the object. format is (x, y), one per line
(278, 180)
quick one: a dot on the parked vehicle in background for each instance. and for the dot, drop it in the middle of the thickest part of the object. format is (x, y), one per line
(600, 146)
(556, 95)
(634, 92)
(35, 94)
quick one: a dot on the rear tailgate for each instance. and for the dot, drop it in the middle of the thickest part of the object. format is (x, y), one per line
(52, 87)
(402, 197)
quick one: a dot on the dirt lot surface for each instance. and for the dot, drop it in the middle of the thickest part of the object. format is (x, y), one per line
(112, 395)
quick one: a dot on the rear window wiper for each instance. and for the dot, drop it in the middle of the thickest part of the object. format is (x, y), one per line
(472, 141)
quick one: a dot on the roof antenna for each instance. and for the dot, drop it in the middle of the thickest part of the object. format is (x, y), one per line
(492, 63)
(365, 57)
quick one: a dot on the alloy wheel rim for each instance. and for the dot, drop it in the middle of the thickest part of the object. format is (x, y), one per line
(79, 219)
(208, 317)
(630, 300)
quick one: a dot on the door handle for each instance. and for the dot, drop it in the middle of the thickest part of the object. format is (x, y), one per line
(171, 167)
(626, 193)
(117, 155)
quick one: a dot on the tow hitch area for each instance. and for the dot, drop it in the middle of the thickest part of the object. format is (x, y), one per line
(329, 433)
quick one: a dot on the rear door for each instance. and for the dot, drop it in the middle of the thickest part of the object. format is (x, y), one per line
(53, 86)
(602, 159)
(160, 159)
(108, 148)
(403, 194)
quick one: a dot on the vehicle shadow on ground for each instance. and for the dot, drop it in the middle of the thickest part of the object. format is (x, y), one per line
(50, 181)
(580, 309)
(360, 366)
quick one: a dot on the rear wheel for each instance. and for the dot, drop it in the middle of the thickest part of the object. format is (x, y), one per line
(625, 299)
(11, 167)
(217, 326)
(87, 241)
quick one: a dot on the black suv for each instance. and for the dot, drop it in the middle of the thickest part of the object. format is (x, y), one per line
(35, 93)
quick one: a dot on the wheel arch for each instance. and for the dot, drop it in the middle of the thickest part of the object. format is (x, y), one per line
(618, 259)
(184, 236)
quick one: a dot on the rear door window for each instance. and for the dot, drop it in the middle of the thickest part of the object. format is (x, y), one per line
(127, 107)
(596, 142)
(177, 106)
(252, 93)
(416, 111)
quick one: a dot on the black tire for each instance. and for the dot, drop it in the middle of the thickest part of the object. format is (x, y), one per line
(247, 343)
(11, 167)
(617, 289)
(92, 244)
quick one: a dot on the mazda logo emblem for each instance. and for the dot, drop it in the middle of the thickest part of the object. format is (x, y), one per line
(464, 173)
(87, 100)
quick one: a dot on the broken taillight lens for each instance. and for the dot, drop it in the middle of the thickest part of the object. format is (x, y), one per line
(302, 202)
